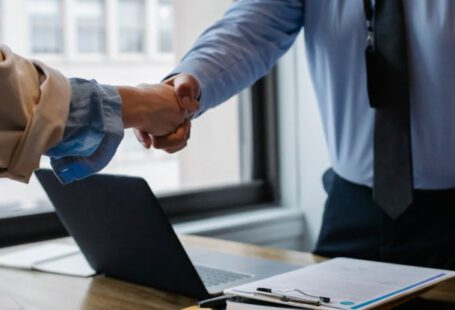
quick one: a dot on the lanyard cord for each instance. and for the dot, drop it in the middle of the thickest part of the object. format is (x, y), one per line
(368, 9)
(369, 14)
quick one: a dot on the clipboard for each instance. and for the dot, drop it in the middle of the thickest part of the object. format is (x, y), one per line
(348, 283)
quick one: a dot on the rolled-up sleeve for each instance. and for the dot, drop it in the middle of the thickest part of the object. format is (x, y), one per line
(34, 105)
(93, 131)
(241, 47)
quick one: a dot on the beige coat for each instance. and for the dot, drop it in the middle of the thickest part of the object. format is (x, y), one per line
(34, 105)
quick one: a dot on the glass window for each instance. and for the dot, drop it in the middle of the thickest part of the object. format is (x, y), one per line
(131, 24)
(91, 30)
(46, 31)
(213, 156)
(166, 26)
(1, 21)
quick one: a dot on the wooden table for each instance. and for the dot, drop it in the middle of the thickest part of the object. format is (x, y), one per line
(35, 290)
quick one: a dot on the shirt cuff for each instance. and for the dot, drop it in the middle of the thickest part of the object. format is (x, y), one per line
(93, 131)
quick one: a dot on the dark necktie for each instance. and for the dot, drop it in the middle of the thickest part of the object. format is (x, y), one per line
(388, 90)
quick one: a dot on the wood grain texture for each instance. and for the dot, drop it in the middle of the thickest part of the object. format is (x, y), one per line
(35, 290)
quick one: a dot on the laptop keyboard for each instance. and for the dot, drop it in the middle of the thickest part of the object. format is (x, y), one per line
(214, 277)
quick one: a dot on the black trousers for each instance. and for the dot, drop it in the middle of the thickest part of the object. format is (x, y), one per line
(355, 226)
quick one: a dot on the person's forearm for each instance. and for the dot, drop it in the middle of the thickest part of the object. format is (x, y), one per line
(130, 109)
(241, 47)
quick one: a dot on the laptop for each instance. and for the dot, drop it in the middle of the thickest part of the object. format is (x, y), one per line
(123, 233)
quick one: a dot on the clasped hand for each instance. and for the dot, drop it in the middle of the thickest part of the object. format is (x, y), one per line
(161, 113)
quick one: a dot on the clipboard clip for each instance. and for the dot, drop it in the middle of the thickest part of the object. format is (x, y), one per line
(283, 295)
(214, 302)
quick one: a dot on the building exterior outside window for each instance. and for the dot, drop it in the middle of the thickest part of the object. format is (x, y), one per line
(46, 29)
(166, 22)
(123, 42)
(91, 32)
(131, 24)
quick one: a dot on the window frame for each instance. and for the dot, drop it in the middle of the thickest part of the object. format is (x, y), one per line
(60, 16)
(112, 50)
(118, 29)
(263, 191)
(105, 26)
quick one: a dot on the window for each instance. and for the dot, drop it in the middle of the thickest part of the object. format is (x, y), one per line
(166, 22)
(1, 20)
(228, 163)
(46, 35)
(131, 22)
(91, 33)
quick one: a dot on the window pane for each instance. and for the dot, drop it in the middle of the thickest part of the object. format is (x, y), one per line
(91, 34)
(166, 25)
(131, 25)
(212, 157)
(1, 21)
(45, 26)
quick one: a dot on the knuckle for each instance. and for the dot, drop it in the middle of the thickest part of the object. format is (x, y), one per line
(180, 139)
(170, 151)
(184, 89)
(157, 143)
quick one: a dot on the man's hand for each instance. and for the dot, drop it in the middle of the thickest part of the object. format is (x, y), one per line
(153, 109)
(187, 90)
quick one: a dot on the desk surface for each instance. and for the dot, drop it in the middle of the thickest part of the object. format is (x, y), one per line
(35, 290)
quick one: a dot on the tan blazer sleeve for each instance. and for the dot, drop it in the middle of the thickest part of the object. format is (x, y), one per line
(34, 105)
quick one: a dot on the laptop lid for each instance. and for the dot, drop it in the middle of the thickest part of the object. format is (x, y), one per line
(123, 232)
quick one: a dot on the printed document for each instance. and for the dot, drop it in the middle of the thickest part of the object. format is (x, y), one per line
(349, 283)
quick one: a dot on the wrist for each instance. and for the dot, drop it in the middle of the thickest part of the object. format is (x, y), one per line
(130, 106)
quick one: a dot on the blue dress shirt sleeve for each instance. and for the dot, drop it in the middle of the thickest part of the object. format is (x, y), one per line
(241, 47)
(93, 131)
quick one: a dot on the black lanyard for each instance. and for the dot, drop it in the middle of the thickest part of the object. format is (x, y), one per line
(369, 15)
(369, 9)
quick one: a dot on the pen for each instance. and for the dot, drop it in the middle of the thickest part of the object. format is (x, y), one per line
(269, 290)
(287, 298)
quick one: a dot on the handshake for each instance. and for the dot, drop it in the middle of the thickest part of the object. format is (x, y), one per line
(161, 113)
